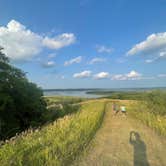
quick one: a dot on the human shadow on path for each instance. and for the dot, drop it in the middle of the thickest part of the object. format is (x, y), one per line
(140, 157)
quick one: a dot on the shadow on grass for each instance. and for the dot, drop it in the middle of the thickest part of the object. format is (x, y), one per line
(140, 156)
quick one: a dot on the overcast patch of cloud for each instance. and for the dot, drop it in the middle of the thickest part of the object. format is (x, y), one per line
(21, 44)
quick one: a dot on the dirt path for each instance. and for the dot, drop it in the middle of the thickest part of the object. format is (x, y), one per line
(112, 145)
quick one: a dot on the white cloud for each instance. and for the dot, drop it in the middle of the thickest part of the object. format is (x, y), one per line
(75, 60)
(97, 60)
(18, 42)
(22, 44)
(132, 75)
(60, 41)
(48, 64)
(104, 49)
(154, 45)
(83, 74)
(101, 75)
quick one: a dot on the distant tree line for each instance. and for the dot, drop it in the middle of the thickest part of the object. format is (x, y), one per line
(21, 102)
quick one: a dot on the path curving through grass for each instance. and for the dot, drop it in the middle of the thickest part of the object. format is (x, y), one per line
(124, 141)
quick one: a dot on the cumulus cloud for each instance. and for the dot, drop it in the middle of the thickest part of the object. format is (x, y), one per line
(74, 60)
(154, 45)
(97, 60)
(20, 43)
(132, 75)
(104, 49)
(48, 64)
(102, 75)
(83, 74)
(60, 41)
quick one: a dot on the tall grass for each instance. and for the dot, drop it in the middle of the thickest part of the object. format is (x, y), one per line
(144, 113)
(149, 107)
(156, 102)
(57, 144)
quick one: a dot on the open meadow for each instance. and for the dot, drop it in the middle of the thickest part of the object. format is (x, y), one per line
(71, 138)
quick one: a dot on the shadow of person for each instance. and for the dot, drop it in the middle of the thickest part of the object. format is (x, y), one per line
(140, 157)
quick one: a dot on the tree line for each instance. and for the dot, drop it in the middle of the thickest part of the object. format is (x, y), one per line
(21, 102)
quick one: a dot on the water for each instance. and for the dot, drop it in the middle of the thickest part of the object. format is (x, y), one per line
(83, 92)
(73, 93)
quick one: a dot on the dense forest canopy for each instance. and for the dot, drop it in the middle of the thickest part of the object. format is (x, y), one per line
(21, 103)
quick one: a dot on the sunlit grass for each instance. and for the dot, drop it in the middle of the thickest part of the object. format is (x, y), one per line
(140, 111)
(58, 143)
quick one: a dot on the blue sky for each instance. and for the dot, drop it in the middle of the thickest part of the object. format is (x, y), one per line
(86, 43)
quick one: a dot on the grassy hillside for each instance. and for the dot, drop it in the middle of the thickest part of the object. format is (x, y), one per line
(61, 141)
(57, 143)
(58, 107)
(142, 112)
(151, 110)
(149, 107)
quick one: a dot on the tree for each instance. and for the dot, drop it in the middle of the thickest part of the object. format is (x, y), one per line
(21, 102)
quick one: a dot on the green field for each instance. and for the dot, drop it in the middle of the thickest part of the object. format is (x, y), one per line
(69, 136)
(57, 143)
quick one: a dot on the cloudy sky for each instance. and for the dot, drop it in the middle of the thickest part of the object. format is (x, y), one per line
(86, 43)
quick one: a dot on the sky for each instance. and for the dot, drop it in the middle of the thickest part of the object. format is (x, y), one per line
(86, 43)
